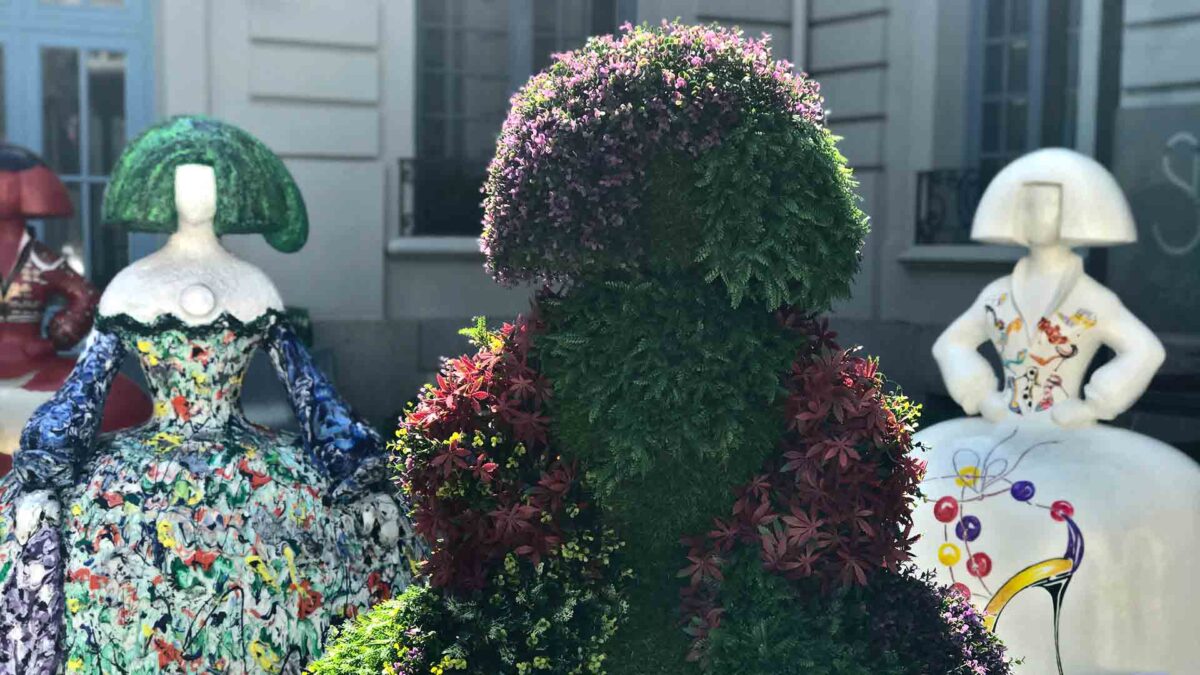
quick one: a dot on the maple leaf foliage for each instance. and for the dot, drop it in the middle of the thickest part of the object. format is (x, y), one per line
(834, 502)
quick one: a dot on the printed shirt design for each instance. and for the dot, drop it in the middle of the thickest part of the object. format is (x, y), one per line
(1033, 354)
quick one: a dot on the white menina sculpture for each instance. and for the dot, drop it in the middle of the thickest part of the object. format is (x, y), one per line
(1035, 494)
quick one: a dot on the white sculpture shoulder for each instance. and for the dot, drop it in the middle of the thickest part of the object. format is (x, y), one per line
(192, 277)
(1048, 319)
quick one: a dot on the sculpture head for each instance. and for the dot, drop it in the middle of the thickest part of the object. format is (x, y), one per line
(681, 148)
(195, 169)
(195, 193)
(1054, 195)
(28, 188)
(1040, 210)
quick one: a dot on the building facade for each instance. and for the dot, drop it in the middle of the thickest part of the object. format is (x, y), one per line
(386, 112)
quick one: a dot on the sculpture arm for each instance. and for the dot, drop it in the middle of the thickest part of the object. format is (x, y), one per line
(61, 432)
(72, 324)
(345, 446)
(968, 376)
(1118, 384)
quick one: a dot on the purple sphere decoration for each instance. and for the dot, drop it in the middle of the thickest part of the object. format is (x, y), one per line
(1022, 491)
(968, 528)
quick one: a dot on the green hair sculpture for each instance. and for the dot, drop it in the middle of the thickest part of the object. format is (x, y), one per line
(256, 193)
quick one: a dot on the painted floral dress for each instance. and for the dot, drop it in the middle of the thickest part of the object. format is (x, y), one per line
(200, 542)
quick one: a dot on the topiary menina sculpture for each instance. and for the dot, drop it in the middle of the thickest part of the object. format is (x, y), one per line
(669, 467)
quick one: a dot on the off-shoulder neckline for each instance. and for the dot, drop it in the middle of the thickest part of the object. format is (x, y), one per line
(168, 321)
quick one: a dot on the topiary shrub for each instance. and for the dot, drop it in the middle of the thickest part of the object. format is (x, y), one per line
(520, 571)
(804, 574)
(901, 624)
(680, 191)
(685, 144)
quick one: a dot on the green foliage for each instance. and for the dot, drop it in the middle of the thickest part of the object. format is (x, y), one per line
(371, 643)
(255, 192)
(901, 624)
(658, 387)
(533, 619)
(691, 129)
(775, 207)
(669, 398)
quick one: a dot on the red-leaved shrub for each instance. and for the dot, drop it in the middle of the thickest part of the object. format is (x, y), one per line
(832, 504)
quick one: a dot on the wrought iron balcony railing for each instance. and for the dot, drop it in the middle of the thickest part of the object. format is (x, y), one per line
(441, 197)
(946, 202)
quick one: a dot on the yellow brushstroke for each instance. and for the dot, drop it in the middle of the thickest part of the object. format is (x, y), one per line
(1027, 577)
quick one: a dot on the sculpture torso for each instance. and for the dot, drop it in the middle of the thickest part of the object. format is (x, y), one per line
(1018, 501)
(1044, 354)
(193, 278)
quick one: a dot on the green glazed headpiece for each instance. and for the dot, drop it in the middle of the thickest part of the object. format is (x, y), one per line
(255, 192)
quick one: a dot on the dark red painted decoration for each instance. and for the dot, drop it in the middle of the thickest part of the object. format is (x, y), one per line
(31, 277)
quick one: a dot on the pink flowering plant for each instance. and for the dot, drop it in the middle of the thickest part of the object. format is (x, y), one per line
(682, 144)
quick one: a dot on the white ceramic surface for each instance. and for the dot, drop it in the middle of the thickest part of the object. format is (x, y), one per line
(1035, 505)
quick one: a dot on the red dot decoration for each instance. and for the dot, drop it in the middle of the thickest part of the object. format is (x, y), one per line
(980, 565)
(962, 590)
(946, 509)
(1061, 510)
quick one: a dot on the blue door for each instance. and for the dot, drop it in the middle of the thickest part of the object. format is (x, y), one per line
(75, 84)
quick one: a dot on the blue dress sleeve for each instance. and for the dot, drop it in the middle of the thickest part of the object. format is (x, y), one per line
(59, 436)
(340, 442)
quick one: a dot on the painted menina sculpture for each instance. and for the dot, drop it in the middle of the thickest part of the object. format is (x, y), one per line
(1036, 495)
(198, 542)
(31, 276)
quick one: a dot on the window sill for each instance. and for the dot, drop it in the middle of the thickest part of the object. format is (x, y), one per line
(961, 255)
(425, 247)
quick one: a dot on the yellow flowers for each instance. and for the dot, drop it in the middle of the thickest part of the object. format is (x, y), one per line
(146, 347)
(967, 476)
(265, 656)
(166, 534)
(539, 663)
(449, 663)
(261, 568)
(163, 441)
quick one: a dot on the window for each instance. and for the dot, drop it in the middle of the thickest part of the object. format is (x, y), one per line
(78, 86)
(1025, 96)
(3, 100)
(473, 55)
(83, 131)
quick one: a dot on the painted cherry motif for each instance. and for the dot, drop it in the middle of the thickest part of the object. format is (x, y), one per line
(980, 565)
(946, 509)
(949, 554)
(1061, 510)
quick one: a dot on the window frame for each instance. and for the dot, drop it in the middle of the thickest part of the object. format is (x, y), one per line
(29, 26)
(1082, 124)
(520, 31)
